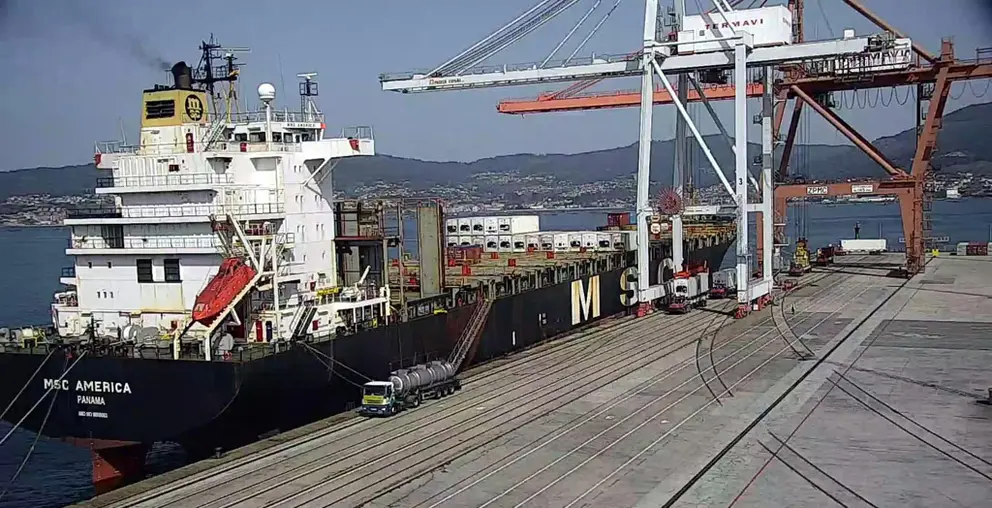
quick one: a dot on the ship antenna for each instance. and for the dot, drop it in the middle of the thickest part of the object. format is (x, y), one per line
(207, 75)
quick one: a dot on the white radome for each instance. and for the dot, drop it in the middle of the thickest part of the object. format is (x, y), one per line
(266, 92)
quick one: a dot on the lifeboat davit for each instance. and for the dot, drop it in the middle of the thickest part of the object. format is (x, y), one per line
(221, 291)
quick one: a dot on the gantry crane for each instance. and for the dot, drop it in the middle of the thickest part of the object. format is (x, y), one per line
(658, 58)
(808, 90)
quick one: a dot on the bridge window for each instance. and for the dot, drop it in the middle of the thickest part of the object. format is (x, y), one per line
(172, 272)
(144, 270)
(160, 109)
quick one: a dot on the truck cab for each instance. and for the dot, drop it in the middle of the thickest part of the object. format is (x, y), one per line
(378, 398)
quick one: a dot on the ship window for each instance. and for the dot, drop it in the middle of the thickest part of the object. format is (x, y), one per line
(144, 270)
(277, 137)
(160, 109)
(173, 168)
(240, 137)
(172, 270)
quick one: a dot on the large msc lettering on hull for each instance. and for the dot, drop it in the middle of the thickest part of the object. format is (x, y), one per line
(87, 386)
(585, 300)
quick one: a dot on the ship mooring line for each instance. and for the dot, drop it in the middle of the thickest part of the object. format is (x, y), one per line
(761, 416)
(27, 383)
(589, 417)
(336, 362)
(35, 406)
(34, 444)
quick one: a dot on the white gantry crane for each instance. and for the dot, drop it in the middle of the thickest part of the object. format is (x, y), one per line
(722, 40)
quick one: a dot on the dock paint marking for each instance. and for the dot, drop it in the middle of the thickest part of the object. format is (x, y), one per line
(585, 300)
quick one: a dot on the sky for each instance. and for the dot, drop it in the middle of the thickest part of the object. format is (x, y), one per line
(73, 71)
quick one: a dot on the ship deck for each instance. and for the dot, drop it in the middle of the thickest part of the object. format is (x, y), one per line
(886, 412)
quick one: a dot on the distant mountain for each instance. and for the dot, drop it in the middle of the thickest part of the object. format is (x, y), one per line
(963, 146)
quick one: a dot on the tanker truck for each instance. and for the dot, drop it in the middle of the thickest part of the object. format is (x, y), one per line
(407, 388)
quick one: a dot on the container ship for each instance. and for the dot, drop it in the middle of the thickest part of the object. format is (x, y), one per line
(222, 294)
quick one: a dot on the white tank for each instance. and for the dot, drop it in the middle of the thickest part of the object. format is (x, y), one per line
(420, 376)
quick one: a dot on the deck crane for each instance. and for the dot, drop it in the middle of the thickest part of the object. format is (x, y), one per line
(657, 58)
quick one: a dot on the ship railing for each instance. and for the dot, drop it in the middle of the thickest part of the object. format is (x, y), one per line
(253, 147)
(282, 116)
(357, 132)
(166, 180)
(183, 242)
(114, 147)
(93, 212)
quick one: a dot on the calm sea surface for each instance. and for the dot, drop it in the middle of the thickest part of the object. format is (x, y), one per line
(31, 259)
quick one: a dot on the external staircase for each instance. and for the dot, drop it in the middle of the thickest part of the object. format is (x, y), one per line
(471, 333)
(304, 316)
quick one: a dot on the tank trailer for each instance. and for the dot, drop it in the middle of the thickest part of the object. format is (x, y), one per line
(407, 388)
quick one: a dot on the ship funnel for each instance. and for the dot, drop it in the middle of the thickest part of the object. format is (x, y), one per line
(182, 76)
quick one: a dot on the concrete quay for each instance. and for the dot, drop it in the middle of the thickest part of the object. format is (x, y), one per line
(674, 411)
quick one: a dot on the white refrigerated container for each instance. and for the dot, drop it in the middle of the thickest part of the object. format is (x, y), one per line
(464, 226)
(490, 223)
(451, 227)
(479, 240)
(505, 243)
(574, 241)
(492, 244)
(478, 225)
(517, 224)
(465, 240)
(546, 241)
(617, 241)
(533, 242)
(589, 241)
(604, 241)
(561, 242)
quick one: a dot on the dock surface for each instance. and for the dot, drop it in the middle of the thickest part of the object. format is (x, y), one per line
(867, 389)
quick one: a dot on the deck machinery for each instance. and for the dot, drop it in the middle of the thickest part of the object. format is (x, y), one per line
(721, 46)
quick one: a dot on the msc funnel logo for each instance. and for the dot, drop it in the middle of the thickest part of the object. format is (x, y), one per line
(194, 108)
(585, 300)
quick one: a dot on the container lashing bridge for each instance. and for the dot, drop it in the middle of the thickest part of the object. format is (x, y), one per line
(736, 52)
(811, 87)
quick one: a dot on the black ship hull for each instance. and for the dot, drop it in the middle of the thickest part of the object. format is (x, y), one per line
(112, 402)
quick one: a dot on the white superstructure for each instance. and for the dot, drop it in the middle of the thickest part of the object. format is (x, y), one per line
(200, 187)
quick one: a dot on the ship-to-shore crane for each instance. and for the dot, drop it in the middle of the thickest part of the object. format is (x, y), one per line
(810, 87)
(737, 52)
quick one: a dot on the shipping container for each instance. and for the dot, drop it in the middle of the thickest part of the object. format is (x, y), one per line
(590, 241)
(604, 241)
(561, 242)
(962, 249)
(451, 226)
(533, 242)
(521, 224)
(863, 245)
(520, 243)
(977, 249)
(465, 226)
(505, 243)
(491, 225)
(618, 219)
(503, 226)
(770, 26)
(479, 240)
(617, 241)
(491, 244)
(574, 241)
(546, 241)
(478, 225)
(466, 240)
(452, 241)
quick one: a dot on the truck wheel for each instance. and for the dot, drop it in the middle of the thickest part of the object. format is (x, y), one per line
(416, 400)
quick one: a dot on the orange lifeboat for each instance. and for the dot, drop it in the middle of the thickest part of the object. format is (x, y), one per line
(221, 291)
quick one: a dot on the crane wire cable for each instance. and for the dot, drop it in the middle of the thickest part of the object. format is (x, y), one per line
(27, 383)
(34, 444)
(591, 33)
(571, 32)
(505, 36)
